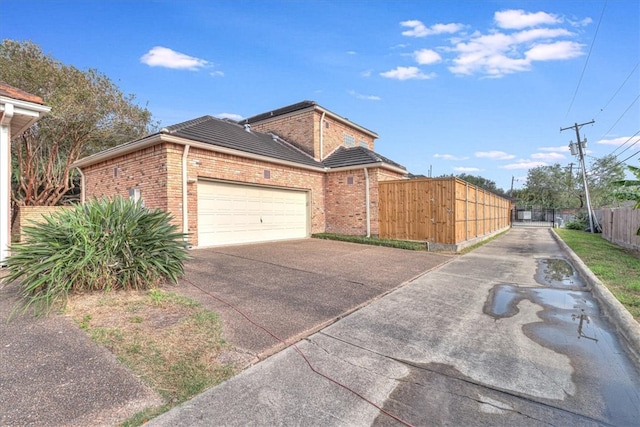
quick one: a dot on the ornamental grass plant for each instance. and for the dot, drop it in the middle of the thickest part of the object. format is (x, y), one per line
(105, 244)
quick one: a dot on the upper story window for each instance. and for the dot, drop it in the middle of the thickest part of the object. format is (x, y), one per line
(349, 140)
(363, 143)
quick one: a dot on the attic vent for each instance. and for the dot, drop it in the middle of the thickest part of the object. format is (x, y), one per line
(247, 127)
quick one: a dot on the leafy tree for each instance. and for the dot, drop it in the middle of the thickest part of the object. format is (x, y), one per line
(556, 186)
(88, 113)
(602, 175)
(481, 182)
(551, 187)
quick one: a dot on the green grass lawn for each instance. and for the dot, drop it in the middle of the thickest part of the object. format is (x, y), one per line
(618, 268)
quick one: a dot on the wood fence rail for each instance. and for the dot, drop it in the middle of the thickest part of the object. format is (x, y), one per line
(446, 211)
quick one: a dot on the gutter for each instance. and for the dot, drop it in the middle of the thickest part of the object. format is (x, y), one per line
(82, 184)
(322, 136)
(366, 201)
(368, 165)
(185, 212)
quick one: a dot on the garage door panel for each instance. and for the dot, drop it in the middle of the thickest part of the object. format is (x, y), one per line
(236, 213)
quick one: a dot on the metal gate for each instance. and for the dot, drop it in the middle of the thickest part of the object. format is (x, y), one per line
(533, 217)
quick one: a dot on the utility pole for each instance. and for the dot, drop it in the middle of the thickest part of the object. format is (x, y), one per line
(578, 149)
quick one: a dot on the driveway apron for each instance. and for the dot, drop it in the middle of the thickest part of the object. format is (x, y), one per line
(507, 335)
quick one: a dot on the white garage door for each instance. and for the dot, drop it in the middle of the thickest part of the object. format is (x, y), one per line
(235, 213)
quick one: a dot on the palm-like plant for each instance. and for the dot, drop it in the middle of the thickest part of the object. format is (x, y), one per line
(101, 245)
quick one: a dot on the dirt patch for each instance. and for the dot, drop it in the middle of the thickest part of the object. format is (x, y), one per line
(171, 342)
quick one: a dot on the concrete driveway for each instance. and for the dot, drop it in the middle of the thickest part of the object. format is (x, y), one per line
(507, 335)
(295, 288)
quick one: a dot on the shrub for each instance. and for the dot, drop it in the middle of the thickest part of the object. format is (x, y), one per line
(101, 245)
(578, 224)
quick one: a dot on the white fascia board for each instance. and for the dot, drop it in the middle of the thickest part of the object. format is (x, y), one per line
(369, 166)
(24, 107)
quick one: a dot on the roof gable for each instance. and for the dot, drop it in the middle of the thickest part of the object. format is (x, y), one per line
(356, 156)
(227, 134)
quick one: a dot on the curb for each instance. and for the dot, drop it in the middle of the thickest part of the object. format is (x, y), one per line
(624, 323)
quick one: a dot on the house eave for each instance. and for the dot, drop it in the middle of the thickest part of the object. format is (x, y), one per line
(164, 138)
(381, 165)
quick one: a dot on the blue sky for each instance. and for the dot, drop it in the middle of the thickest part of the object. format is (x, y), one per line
(478, 87)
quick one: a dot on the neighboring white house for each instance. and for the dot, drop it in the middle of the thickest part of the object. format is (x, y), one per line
(18, 111)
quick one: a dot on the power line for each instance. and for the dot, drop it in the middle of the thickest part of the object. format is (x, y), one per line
(620, 88)
(620, 118)
(584, 68)
(637, 140)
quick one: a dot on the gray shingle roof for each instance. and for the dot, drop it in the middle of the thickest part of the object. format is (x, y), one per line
(224, 133)
(354, 156)
(284, 110)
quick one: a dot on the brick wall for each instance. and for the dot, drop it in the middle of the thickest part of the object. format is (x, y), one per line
(345, 200)
(298, 129)
(145, 170)
(303, 131)
(333, 135)
(26, 215)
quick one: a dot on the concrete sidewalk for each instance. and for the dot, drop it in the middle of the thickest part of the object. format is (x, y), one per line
(495, 337)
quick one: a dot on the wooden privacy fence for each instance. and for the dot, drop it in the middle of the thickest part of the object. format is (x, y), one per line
(619, 226)
(443, 211)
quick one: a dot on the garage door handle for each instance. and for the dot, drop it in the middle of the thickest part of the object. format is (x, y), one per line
(260, 220)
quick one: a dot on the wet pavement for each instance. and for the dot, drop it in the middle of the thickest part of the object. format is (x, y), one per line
(507, 335)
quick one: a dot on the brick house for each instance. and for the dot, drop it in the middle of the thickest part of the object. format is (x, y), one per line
(284, 174)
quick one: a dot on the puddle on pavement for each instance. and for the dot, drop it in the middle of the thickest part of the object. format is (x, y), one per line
(571, 324)
(557, 272)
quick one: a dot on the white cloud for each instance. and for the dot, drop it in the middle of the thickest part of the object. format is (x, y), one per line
(232, 116)
(498, 54)
(524, 164)
(418, 29)
(352, 52)
(366, 73)
(407, 73)
(466, 169)
(427, 56)
(216, 74)
(365, 97)
(495, 155)
(164, 57)
(449, 157)
(553, 51)
(619, 141)
(517, 19)
(551, 155)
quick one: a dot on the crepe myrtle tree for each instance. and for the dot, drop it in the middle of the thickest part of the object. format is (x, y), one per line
(88, 113)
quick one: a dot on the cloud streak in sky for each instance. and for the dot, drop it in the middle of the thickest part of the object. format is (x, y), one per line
(160, 56)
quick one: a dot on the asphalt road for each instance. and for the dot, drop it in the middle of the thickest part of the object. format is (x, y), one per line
(505, 336)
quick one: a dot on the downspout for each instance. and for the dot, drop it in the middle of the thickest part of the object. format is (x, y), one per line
(185, 212)
(321, 134)
(366, 200)
(82, 183)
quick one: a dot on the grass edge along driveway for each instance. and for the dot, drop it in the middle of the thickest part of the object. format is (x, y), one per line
(616, 267)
